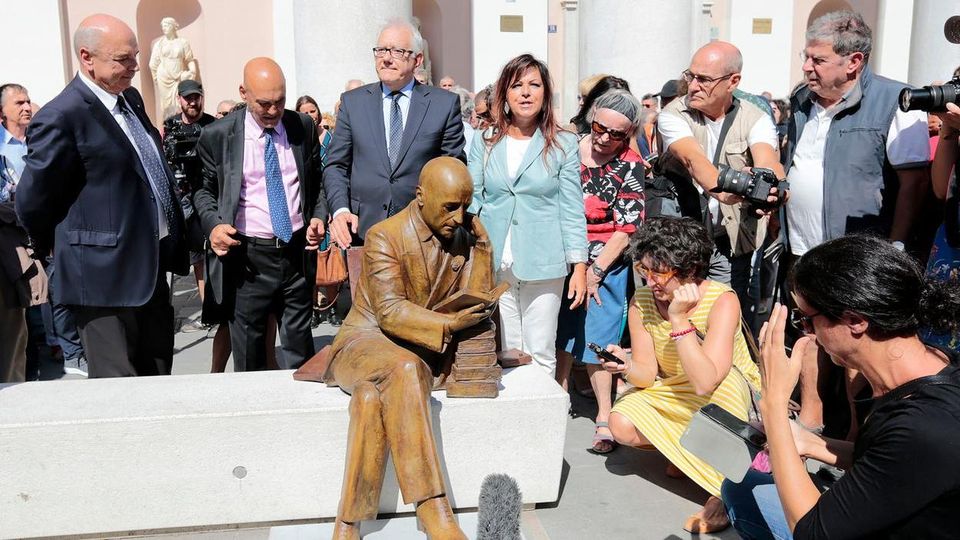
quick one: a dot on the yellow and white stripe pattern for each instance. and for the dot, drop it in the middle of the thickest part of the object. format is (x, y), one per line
(662, 411)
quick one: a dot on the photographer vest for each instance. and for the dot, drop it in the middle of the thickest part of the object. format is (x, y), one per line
(859, 184)
(746, 232)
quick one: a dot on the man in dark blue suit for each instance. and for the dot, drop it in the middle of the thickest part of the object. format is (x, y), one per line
(97, 191)
(386, 132)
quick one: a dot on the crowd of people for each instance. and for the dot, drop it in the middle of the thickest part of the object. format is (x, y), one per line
(699, 245)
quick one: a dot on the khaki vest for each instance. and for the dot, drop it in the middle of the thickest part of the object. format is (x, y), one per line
(746, 232)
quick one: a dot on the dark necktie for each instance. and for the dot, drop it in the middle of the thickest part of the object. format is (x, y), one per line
(156, 172)
(276, 196)
(396, 129)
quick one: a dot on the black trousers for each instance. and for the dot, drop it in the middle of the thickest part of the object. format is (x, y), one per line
(128, 341)
(269, 279)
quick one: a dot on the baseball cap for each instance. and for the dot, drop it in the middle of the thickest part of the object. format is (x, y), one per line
(187, 87)
(670, 89)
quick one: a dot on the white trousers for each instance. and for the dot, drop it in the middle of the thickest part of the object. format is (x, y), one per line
(528, 318)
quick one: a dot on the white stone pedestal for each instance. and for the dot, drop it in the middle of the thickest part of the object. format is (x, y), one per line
(206, 451)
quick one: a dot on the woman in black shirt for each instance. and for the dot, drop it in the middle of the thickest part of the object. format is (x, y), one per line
(863, 301)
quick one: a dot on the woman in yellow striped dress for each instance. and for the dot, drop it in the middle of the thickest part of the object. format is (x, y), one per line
(674, 371)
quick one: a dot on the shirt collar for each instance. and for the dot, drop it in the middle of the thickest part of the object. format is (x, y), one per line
(423, 230)
(406, 90)
(7, 138)
(251, 126)
(109, 100)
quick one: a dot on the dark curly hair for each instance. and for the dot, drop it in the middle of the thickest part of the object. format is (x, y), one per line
(678, 244)
(867, 276)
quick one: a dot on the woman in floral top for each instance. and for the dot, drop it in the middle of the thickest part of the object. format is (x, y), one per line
(611, 175)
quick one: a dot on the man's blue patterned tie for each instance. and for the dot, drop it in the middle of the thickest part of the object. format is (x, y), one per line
(276, 196)
(156, 173)
(396, 129)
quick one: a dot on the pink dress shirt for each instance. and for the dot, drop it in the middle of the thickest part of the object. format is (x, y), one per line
(253, 212)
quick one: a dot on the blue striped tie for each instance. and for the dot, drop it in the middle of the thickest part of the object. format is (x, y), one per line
(276, 196)
(396, 129)
(156, 173)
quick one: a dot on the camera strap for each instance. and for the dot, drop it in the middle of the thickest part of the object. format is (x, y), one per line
(728, 119)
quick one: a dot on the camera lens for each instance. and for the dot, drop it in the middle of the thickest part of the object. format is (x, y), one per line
(733, 181)
(928, 98)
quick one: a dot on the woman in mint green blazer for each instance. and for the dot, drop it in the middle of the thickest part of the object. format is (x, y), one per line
(526, 190)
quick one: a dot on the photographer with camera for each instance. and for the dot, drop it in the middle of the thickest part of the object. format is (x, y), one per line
(180, 135)
(720, 141)
(855, 163)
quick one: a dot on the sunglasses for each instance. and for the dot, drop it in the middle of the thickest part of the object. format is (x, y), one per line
(324, 127)
(802, 322)
(653, 275)
(599, 129)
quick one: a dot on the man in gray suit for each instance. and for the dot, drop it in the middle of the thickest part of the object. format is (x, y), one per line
(386, 132)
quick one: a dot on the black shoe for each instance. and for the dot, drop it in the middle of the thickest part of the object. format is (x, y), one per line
(316, 318)
(333, 318)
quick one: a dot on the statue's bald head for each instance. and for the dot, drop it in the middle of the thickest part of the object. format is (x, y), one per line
(107, 51)
(444, 194)
(264, 89)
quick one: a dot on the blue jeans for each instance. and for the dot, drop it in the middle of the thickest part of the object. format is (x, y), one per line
(754, 507)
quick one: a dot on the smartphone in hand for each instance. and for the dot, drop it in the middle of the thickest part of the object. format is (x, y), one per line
(604, 354)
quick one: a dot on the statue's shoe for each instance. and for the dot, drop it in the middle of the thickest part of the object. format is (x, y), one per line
(435, 517)
(346, 531)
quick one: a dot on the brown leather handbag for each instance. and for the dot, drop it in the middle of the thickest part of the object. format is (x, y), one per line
(331, 268)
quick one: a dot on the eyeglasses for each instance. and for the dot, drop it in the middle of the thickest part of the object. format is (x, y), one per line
(398, 54)
(703, 80)
(802, 322)
(599, 129)
(653, 275)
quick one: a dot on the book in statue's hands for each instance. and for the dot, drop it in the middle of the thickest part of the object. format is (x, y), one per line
(469, 298)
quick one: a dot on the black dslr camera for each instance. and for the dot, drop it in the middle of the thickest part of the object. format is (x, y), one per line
(754, 187)
(180, 150)
(930, 98)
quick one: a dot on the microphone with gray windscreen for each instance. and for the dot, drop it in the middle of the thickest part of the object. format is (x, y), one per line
(498, 515)
(951, 29)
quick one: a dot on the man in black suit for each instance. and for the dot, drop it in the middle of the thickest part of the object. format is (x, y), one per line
(97, 190)
(261, 205)
(386, 132)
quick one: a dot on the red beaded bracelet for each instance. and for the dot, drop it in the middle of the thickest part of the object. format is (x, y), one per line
(677, 335)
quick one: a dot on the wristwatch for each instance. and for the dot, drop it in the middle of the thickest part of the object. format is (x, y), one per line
(597, 271)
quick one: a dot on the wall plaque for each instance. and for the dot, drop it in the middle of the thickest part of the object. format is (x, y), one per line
(511, 23)
(762, 26)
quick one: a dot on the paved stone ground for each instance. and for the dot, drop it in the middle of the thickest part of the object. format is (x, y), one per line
(622, 495)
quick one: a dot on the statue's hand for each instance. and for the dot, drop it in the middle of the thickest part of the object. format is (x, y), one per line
(465, 318)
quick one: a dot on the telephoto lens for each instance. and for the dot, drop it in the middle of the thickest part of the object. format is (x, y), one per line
(930, 98)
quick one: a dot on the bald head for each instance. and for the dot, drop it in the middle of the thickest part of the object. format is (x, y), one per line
(264, 89)
(444, 194)
(107, 52)
(713, 76)
(353, 83)
(722, 54)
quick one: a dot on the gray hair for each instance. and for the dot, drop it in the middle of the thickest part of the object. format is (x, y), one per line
(6, 89)
(466, 104)
(417, 44)
(844, 30)
(620, 101)
(87, 38)
(486, 95)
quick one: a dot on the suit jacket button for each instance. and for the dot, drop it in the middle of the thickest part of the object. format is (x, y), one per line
(515, 222)
(384, 207)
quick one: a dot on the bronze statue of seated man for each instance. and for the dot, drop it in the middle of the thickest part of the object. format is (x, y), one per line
(392, 345)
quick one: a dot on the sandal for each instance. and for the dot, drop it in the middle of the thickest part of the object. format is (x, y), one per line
(602, 443)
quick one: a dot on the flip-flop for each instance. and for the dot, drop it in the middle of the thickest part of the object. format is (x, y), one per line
(603, 444)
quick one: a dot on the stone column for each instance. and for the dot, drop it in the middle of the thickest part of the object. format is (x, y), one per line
(891, 39)
(646, 42)
(932, 57)
(333, 41)
(571, 58)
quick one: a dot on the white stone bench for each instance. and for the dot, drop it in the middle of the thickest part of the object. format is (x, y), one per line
(198, 451)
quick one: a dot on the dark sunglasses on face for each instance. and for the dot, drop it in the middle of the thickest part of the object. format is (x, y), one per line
(599, 129)
(802, 322)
